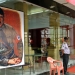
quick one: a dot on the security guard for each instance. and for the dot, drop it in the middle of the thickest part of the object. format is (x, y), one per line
(9, 41)
(65, 53)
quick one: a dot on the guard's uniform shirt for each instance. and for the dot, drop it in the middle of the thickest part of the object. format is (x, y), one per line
(8, 40)
(65, 48)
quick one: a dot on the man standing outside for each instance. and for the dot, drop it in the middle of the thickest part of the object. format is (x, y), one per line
(65, 53)
(7, 43)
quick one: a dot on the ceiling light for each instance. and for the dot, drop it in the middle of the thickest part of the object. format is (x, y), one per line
(1, 1)
(71, 1)
(52, 6)
(67, 12)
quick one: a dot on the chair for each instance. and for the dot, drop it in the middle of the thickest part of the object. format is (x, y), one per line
(55, 66)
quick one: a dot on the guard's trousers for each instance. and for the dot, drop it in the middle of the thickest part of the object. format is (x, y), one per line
(65, 61)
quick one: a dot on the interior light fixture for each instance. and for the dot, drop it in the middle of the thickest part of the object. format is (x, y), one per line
(67, 12)
(52, 6)
(35, 12)
(71, 2)
(2, 1)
